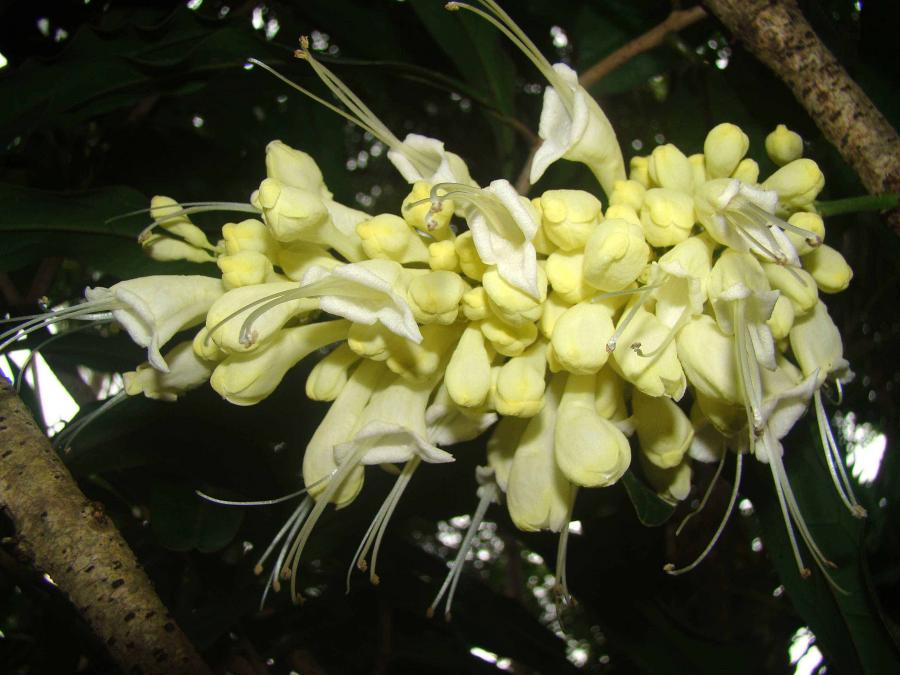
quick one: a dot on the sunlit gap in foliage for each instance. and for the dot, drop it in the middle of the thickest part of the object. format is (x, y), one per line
(194, 4)
(865, 447)
(57, 406)
(803, 653)
(3, 61)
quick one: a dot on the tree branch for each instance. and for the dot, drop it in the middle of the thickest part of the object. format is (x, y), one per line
(776, 32)
(70, 538)
(678, 20)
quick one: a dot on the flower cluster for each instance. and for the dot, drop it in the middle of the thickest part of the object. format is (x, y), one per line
(681, 320)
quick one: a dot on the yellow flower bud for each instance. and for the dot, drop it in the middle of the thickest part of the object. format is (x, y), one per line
(294, 167)
(369, 341)
(247, 378)
(623, 212)
(291, 213)
(816, 342)
(469, 260)
(698, 167)
(520, 383)
(328, 377)
(566, 277)
(708, 357)
(468, 375)
(421, 216)
(664, 431)
(205, 348)
(434, 297)
(723, 149)
(249, 235)
(501, 447)
(186, 371)
(667, 216)
(538, 494)
(628, 193)
(783, 145)
(168, 249)
(297, 259)
(475, 304)
(782, 318)
(747, 171)
(639, 170)
(796, 285)
(168, 215)
(811, 222)
(615, 255)
(508, 339)
(442, 256)
(797, 184)
(646, 357)
(579, 338)
(672, 485)
(828, 267)
(554, 307)
(609, 397)
(389, 237)
(569, 216)
(669, 168)
(510, 303)
(589, 449)
(418, 361)
(246, 268)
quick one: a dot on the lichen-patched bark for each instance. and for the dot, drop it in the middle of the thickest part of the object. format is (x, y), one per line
(70, 538)
(779, 36)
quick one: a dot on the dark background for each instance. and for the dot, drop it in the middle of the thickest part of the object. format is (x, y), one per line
(102, 108)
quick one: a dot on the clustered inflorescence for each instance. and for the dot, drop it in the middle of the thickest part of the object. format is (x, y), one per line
(685, 316)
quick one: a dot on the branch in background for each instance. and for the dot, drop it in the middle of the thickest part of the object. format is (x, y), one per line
(678, 20)
(778, 35)
(71, 539)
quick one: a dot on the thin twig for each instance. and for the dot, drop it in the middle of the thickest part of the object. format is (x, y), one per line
(678, 20)
(68, 537)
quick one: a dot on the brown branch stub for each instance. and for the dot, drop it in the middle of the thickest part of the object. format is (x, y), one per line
(678, 20)
(776, 32)
(69, 538)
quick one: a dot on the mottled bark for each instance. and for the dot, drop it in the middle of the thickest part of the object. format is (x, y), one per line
(776, 32)
(65, 535)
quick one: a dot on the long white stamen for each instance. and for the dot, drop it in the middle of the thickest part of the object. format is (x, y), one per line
(748, 371)
(296, 550)
(86, 311)
(504, 23)
(835, 461)
(490, 494)
(263, 502)
(305, 504)
(811, 237)
(273, 581)
(706, 495)
(683, 319)
(402, 482)
(669, 567)
(562, 584)
(191, 207)
(623, 323)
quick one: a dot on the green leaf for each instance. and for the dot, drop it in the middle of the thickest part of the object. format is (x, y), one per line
(183, 521)
(651, 510)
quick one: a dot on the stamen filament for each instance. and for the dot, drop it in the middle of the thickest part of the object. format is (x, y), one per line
(669, 567)
(489, 495)
(835, 461)
(623, 323)
(67, 436)
(706, 495)
(562, 584)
